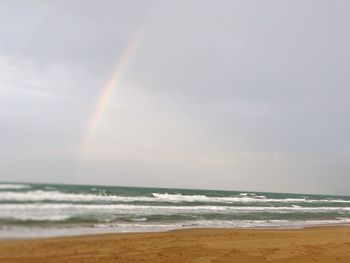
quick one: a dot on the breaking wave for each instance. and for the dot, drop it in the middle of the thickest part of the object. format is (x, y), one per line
(40, 195)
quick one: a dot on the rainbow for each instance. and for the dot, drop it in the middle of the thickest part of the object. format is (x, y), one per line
(107, 92)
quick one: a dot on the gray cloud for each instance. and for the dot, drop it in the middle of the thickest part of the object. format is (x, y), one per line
(230, 94)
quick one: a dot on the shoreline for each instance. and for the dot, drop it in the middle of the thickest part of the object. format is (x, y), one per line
(310, 244)
(87, 234)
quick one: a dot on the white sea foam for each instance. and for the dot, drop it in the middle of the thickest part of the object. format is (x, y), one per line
(288, 224)
(264, 223)
(14, 186)
(177, 198)
(37, 217)
(39, 195)
(239, 199)
(11, 232)
(248, 194)
(61, 212)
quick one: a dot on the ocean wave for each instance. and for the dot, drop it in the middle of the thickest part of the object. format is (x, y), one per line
(149, 209)
(40, 195)
(34, 217)
(177, 198)
(277, 223)
(14, 186)
(248, 194)
(21, 231)
(141, 227)
(240, 199)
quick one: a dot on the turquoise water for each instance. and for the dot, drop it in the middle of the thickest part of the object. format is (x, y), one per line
(35, 210)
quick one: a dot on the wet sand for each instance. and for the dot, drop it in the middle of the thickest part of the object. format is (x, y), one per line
(322, 244)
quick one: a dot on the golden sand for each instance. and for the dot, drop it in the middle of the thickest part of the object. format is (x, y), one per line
(324, 244)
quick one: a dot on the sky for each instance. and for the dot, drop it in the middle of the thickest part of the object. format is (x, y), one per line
(236, 95)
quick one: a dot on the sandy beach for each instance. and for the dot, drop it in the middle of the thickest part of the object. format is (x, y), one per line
(321, 244)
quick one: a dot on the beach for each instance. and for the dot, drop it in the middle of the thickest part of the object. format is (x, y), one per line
(318, 244)
(76, 223)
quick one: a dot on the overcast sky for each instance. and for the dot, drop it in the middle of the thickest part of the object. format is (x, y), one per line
(237, 95)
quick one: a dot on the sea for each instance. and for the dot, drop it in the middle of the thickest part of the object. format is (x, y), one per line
(50, 210)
